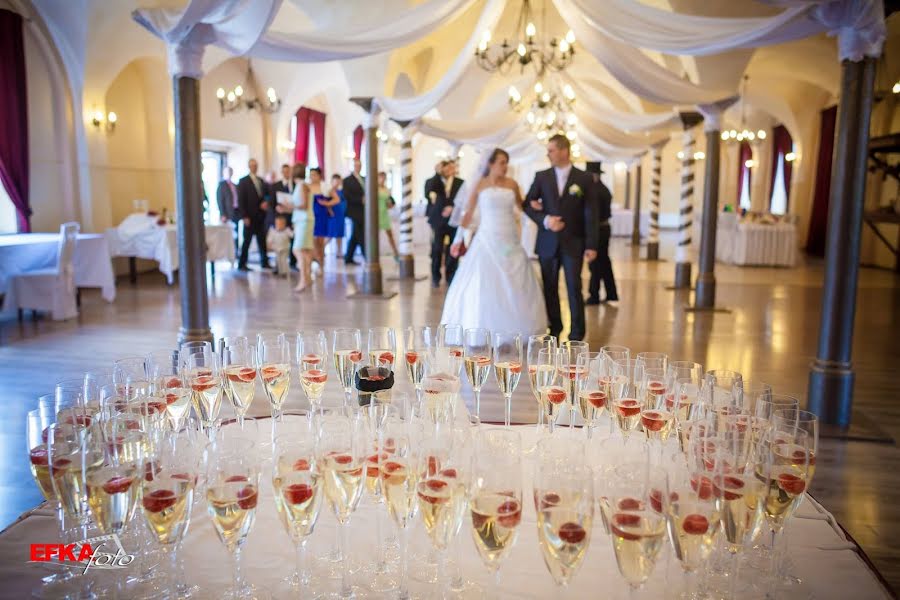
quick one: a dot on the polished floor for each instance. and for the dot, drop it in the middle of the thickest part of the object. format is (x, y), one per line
(770, 334)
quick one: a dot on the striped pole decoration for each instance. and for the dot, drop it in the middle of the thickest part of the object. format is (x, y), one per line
(406, 202)
(655, 174)
(686, 206)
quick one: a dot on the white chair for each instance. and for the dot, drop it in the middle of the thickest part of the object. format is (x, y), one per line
(52, 289)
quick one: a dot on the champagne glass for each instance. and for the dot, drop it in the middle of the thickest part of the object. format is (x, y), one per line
(382, 346)
(440, 386)
(495, 498)
(656, 417)
(450, 336)
(128, 371)
(686, 394)
(552, 395)
(296, 482)
(628, 371)
(346, 346)
(341, 456)
(592, 395)
(239, 370)
(273, 359)
(239, 341)
(312, 348)
(650, 360)
(683, 369)
(570, 374)
(204, 376)
(112, 485)
(535, 344)
(507, 349)
(232, 495)
(637, 527)
(564, 503)
(418, 342)
(613, 353)
(478, 358)
(167, 380)
(719, 385)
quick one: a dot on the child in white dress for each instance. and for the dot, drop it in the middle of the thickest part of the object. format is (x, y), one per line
(279, 241)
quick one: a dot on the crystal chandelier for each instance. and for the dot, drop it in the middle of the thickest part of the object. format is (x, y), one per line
(733, 135)
(550, 111)
(525, 49)
(236, 99)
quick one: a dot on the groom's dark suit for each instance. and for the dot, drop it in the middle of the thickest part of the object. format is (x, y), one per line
(577, 206)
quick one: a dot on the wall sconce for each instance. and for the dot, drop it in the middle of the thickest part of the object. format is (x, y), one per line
(285, 145)
(680, 155)
(699, 155)
(790, 156)
(750, 163)
(98, 118)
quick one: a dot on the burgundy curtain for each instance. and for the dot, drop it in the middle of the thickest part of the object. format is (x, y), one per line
(745, 154)
(358, 135)
(318, 123)
(301, 142)
(14, 117)
(782, 143)
(818, 219)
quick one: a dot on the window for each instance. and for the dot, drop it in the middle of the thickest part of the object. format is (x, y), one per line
(9, 220)
(778, 202)
(745, 190)
(213, 162)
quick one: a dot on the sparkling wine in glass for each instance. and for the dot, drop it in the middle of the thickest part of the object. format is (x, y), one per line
(440, 386)
(571, 376)
(478, 358)
(450, 337)
(312, 348)
(593, 395)
(657, 419)
(507, 351)
(346, 347)
(536, 343)
(203, 373)
(418, 342)
(168, 382)
(240, 372)
(273, 360)
(382, 346)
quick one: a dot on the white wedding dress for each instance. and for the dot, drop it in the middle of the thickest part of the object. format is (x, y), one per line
(495, 286)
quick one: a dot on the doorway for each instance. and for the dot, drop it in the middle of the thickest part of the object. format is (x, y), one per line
(213, 162)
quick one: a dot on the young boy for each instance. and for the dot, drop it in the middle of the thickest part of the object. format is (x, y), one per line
(279, 241)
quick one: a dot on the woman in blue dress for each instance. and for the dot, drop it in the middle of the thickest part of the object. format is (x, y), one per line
(324, 200)
(336, 224)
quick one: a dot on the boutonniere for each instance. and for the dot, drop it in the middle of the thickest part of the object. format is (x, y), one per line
(575, 190)
(432, 196)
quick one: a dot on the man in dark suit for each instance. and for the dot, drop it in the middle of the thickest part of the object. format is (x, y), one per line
(227, 199)
(441, 191)
(562, 202)
(355, 196)
(253, 203)
(285, 185)
(601, 269)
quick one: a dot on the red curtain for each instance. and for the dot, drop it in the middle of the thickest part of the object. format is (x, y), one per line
(745, 154)
(301, 141)
(14, 117)
(318, 122)
(818, 219)
(358, 135)
(782, 143)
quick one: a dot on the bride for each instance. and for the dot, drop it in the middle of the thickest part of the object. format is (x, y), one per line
(495, 286)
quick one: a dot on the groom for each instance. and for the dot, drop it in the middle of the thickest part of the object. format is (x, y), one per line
(563, 202)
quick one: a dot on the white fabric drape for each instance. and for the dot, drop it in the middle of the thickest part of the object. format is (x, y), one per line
(613, 135)
(624, 121)
(490, 129)
(406, 109)
(241, 27)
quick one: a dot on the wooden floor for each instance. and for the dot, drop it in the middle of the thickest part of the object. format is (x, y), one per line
(770, 335)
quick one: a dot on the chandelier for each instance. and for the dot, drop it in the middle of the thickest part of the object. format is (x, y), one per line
(236, 98)
(525, 50)
(550, 111)
(733, 135)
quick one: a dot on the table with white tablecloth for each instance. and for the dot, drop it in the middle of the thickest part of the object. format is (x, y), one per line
(829, 564)
(23, 252)
(748, 243)
(621, 222)
(161, 244)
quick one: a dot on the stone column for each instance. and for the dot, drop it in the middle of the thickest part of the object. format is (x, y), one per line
(627, 186)
(191, 230)
(636, 227)
(405, 246)
(686, 206)
(372, 280)
(655, 175)
(830, 393)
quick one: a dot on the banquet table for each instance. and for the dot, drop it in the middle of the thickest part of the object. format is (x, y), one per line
(622, 222)
(830, 565)
(161, 244)
(22, 252)
(753, 244)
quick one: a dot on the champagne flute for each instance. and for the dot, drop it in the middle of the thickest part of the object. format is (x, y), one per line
(127, 371)
(382, 346)
(552, 396)
(687, 406)
(535, 344)
(656, 418)
(592, 395)
(477, 359)
(312, 349)
(720, 385)
(627, 371)
(204, 376)
(340, 453)
(440, 386)
(495, 498)
(296, 482)
(450, 336)
(613, 353)
(346, 346)
(239, 370)
(240, 341)
(564, 503)
(273, 359)
(649, 360)
(418, 341)
(507, 349)
(680, 369)
(112, 484)
(570, 374)
(638, 529)
(166, 377)
(232, 495)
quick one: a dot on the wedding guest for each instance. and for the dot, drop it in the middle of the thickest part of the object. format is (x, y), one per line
(227, 199)
(286, 186)
(354, 194)
(301, 203)
(324, 198)
(253, 194)
(385, 204)
(601, 268)
(441, 191)
(279, 241)
(337, 223)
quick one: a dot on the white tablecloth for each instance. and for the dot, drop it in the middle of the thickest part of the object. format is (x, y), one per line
(622, 222)
(752, 244)
(161, 244)
(30, 251)
(823, 558)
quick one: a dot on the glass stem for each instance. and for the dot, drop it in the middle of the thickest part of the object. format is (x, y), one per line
(346, 587)
(572, 417)
(236, 581)
(478, 403)
(173, 570)
(241, 421)
(590, 429)
(457, 584)
(735, 566)
(494, 589)
(508, 409)
(302, 575)
(380, 566)
(402, 588)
